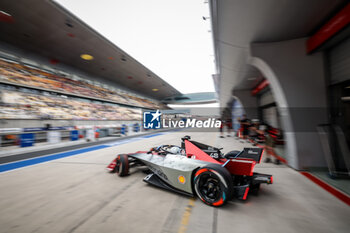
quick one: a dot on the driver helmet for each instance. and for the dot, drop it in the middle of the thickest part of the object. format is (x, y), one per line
(175, 150)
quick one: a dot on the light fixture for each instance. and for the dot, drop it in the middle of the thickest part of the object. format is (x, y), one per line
(87, 57)
(155, 89)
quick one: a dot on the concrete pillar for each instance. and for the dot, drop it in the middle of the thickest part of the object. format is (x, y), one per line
(298, 83)
(249, 102)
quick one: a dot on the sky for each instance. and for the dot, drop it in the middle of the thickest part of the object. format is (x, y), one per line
(169, 37)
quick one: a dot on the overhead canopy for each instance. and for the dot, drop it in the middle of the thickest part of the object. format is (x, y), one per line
(237, 24)
(192, 98)
(47, 29)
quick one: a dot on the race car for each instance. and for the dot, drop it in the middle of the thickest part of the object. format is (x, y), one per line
(197, 169)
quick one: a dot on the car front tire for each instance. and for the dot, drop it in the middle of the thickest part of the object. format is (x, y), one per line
(122, 165)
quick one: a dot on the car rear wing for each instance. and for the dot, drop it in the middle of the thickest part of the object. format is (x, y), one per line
(242, 167)
(251, 153)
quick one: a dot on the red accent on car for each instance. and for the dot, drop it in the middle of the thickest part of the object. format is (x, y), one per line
(139, 152)
(222, 160)
(271, 180)
(200, 171)
(262, 153)
(332, 27)
(246, 193)
(219, 202)
(241, 167)
(200, 155)
(111, 166)
(252, 169)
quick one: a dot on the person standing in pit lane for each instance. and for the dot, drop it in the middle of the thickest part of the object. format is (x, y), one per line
(229, 127)
(245, 124)
(221, 128)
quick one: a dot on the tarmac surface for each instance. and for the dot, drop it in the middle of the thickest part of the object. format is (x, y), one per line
(77, 194)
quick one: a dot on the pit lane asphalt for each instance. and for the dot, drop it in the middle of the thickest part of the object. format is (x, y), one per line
(76, 194)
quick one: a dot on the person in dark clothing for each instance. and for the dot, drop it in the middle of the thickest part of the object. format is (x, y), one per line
(229, 127)
(221, 128)
(245, 124)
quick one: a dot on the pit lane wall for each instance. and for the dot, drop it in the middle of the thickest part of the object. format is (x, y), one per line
(26, 133)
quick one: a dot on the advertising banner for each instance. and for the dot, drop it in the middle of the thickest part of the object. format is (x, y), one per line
(27, 139)
(54, 136)
(74, 135)
(123, 130)
(136, 127)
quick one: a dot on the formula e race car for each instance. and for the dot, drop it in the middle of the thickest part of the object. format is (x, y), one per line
(197, 169)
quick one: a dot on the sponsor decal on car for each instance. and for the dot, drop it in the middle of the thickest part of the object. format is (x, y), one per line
(253, 152)
(182, 179)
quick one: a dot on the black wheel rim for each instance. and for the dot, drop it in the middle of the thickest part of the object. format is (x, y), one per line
(209, 188)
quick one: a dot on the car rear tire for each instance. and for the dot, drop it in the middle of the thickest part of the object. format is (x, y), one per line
(213, 184)
(122, 165)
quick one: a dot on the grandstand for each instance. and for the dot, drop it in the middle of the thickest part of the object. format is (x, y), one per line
(33, 97)
(36, 97)
(87, 101)
(20, 75)
(43, 87)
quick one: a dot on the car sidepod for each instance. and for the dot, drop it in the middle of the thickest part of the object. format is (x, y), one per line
(175, 170)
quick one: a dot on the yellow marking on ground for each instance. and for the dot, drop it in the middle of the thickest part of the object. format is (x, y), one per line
(186, 216)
